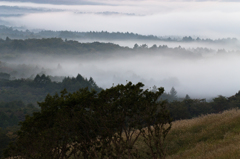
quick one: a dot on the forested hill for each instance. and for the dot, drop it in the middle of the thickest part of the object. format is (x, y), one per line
(103, 35)
(33, 91)
(20, 33)
(14, 48)
(54, 46)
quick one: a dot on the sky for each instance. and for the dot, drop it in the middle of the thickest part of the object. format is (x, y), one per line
(213, 19)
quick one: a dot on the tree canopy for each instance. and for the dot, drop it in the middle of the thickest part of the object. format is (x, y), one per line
(87, 124)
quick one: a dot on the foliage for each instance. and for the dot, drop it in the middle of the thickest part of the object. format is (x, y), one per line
(90, 125)
(4, 141)
(154, 134)
(13, 112)
(189, 108)
(31, 91)
(10, 115)
(173, 94)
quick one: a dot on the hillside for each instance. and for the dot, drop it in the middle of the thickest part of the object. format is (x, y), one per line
(211, 136)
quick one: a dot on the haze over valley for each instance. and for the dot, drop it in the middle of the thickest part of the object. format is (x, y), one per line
(190, 71)
(189, 45)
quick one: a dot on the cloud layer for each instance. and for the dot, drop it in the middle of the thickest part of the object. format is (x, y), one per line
(212, 19)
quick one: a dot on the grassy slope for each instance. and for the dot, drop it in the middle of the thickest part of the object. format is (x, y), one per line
(214, 136)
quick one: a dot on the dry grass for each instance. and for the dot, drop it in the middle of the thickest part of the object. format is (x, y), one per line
(207, 119)
(214, 136)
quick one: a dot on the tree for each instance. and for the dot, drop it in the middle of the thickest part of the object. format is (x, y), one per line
(219, 104)
(158, 123)
(144, 46)
(8, 39)
(42, 80)
(187, 39)
(4, 141)
(136, 46)
(154, 89)
(85, 124)
(5, 76)
(173, 93)
(154, 47)
(92, 82)
(187, 97)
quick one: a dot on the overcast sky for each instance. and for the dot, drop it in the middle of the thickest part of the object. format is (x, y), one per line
(214, 18)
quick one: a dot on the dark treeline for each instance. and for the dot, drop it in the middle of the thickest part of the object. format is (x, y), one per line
(10, 48)
(54, 46)
(188, 108)
(103, 35)
(33, 91)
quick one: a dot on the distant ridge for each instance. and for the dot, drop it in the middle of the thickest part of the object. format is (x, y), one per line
(22, 33)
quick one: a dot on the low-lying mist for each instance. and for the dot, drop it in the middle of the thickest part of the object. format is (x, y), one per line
(204, 77)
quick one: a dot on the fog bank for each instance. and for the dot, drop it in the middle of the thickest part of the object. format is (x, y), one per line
(200, 78)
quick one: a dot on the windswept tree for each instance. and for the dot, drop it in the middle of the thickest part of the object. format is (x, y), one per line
(87, 124)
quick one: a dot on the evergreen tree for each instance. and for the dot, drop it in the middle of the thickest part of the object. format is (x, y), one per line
(173, 93)
(187, 97)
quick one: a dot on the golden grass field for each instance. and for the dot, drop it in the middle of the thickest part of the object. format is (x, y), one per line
(213, 136)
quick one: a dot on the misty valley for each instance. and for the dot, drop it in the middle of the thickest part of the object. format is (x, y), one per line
(187, 64)
(119, 79)
(43, 71)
